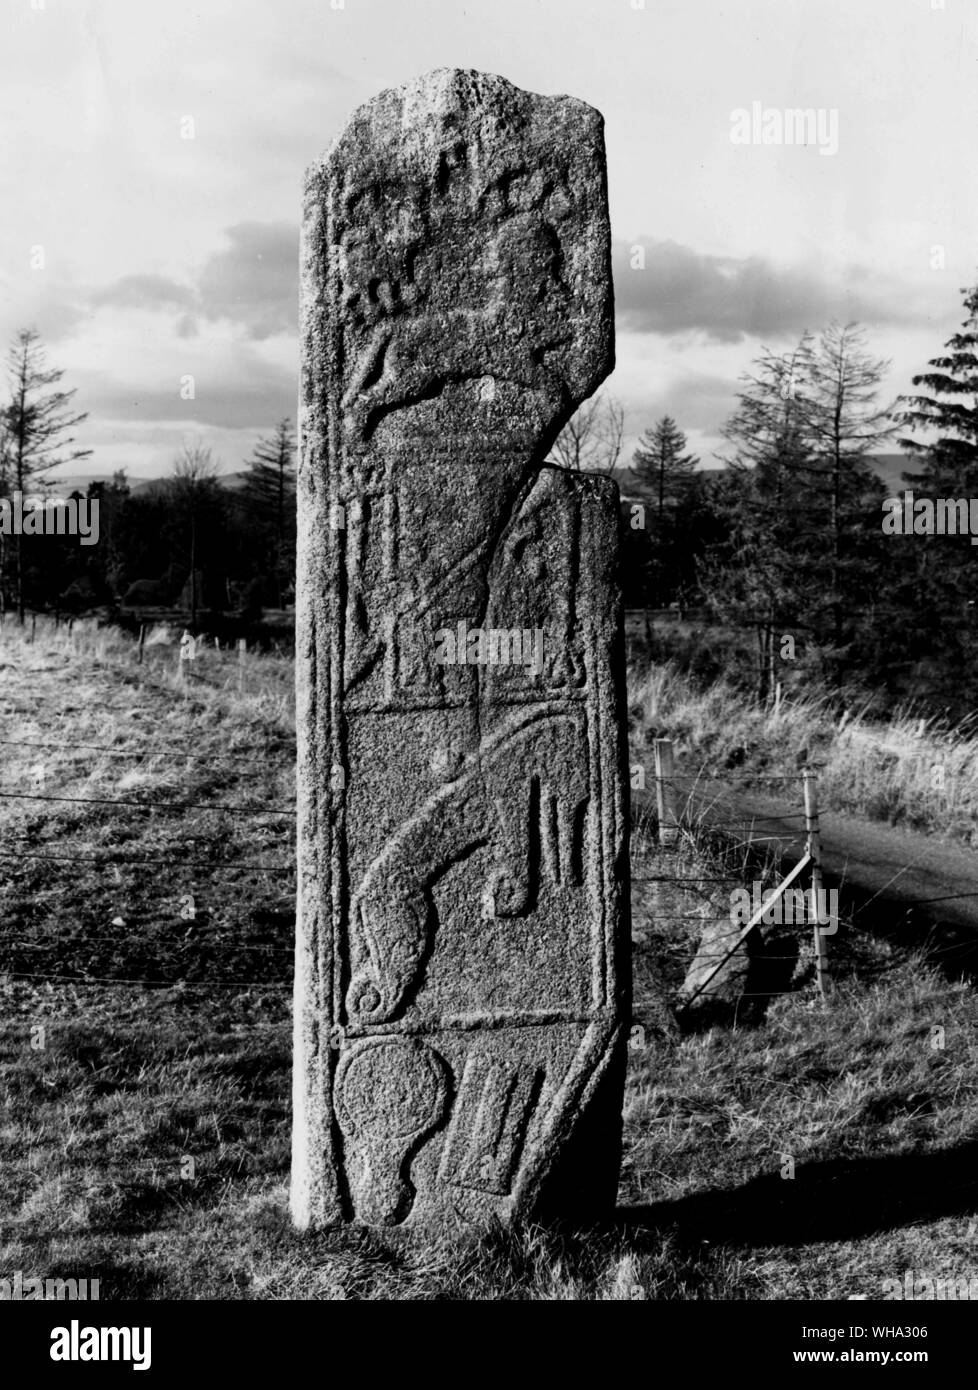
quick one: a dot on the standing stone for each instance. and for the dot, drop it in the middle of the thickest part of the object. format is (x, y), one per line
(462, 959)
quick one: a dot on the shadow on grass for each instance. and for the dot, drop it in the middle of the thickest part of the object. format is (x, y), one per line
(843, 1199)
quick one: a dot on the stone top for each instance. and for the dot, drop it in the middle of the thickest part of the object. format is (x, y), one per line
(487, 208)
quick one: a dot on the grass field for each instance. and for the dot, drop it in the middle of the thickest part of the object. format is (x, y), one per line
(144, 1138)
(918, 773)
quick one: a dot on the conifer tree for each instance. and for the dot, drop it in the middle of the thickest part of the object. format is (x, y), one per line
(661, 464)
(664, 477)
(37, 429)
(758, 576)
(947, 410)
(844, 423)
(270, 496)
(939, 580)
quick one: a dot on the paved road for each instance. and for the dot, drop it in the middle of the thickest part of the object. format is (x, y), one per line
(872, 864)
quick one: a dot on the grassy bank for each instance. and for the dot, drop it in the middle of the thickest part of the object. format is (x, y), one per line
(144, 1138)
(903, 770)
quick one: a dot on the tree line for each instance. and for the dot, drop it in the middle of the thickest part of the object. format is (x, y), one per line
(186, 541)
(782, 546)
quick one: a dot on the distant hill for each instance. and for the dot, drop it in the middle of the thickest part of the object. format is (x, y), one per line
(233, 482)
(889, 468)
(78, 482)
(75, 482)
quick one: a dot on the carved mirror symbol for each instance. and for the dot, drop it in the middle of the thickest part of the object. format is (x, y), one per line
(390, 1094)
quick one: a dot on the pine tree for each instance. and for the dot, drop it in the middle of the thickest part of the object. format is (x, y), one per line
(661, 464)
(844, 423)
(270, 496)
(758, 576)
(949, 410)
(664, 476)
(940, 584)
(38, 424)
(801, 534)
(767, 430)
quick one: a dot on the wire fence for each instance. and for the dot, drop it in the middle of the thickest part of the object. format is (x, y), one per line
(165, 659)
(696, 819)
(167, 911)
(32, 975)
(686, 812)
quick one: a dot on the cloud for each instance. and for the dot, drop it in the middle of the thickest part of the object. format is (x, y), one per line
(252, 282)
(148, 448)
(54, 306)
(701, 402)
(144, 292)
(255, 280)
(246, 395)
(728, 298)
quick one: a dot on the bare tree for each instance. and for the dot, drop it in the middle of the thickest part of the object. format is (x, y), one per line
(191, 485)
(592, 438)
(270, 492)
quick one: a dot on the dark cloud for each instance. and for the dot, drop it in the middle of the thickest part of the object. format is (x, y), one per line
(255, 280)
(729, 298)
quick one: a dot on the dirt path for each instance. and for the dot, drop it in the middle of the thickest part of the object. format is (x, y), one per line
(870, 862)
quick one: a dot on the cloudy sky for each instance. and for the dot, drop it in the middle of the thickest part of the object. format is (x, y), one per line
(153, 150)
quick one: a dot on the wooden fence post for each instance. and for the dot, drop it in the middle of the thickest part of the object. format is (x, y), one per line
(665, 793)
(187, 653)
(814, 849)
(242, 649)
